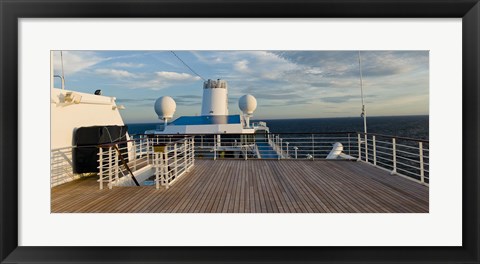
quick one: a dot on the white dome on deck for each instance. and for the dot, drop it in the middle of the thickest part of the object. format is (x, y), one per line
(165, 107)
(247, 104)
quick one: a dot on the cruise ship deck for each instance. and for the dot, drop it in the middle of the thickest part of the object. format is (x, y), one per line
(255, 186)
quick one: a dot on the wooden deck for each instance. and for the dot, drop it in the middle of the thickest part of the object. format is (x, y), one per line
(255, 186)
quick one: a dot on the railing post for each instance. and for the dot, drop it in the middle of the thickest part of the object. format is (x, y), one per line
(115, 160)
(349, 144)
(193, 152)
(185, 156)
(175, 160)
(422, 171)
(100, 170)
(134, 156)
(359, 147)
(296, 148)
(276, 149)
(394, 156)
(374, 151)
(166, 169)
(214, 147)
(287, 148)
(147, 151)
(313, 147)
(366, 148)
(157, 170)
(110, 167)
(281, 147)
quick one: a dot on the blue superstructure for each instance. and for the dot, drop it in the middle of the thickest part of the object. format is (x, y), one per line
(206, 120)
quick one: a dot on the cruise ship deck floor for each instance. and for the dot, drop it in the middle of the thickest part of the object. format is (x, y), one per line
(255, 186)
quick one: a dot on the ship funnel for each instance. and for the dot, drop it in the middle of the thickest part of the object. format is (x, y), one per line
(215, 98)
(165, 108)
(247, 104)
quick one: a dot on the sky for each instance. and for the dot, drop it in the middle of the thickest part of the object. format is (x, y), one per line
(286, 84)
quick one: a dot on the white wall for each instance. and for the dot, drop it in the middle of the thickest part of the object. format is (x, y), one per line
(91, 110)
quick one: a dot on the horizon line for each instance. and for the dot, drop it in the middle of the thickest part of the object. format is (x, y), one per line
(301, 118)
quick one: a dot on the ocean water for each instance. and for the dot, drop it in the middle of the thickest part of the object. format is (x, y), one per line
(401, 126)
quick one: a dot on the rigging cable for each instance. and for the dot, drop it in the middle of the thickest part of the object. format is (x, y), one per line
(187, 66)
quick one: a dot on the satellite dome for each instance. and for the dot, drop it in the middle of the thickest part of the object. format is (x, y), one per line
(247, 104)
(165, 107)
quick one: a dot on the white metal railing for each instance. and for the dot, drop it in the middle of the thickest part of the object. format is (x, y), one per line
(271, 146)
(173, 160)
(61, 166)
(122, 159)
(399, 155)
(116, 159)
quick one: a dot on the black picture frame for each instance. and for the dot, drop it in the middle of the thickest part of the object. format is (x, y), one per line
(11, 11)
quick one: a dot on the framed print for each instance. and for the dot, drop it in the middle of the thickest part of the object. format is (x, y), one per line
(220, 131)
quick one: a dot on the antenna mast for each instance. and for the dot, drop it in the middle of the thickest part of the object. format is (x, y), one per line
(63, 74)
(364, 114)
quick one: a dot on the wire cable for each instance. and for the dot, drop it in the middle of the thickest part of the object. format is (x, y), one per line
(187, 66)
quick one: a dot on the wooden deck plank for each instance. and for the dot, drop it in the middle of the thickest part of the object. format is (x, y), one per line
(255, 186)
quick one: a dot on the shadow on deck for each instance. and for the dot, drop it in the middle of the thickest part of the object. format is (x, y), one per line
(255, 186)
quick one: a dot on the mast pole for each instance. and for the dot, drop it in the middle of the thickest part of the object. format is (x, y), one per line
(63, 74)
(364, 114)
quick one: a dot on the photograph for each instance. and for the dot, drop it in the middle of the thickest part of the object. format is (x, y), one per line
(267, 131)
(239, 131)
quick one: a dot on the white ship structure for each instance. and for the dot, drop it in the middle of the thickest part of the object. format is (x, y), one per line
(214, 118)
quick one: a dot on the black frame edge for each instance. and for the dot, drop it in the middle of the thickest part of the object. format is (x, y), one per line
(470, 141)
(10, 11)
(8, 134)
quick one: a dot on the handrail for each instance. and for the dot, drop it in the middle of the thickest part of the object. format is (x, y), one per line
(177, 155)
(286, 133)
(132, 140)
(405, 160)
(388, 136)
(392, 153)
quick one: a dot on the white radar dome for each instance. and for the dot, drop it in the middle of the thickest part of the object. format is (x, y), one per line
(247, 104)
(165, 107)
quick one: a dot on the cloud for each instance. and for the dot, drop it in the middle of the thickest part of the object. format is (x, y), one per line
(189, 96)
(241, 66)
(339, 99)
(128, 65)
(115, 73)
(280, 80)
(175, 76)
(188, 99)
(74, 61)
(344, 98)
(345, 63)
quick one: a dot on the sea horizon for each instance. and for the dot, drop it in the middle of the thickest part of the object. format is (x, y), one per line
(293, 118)
(412, 126)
